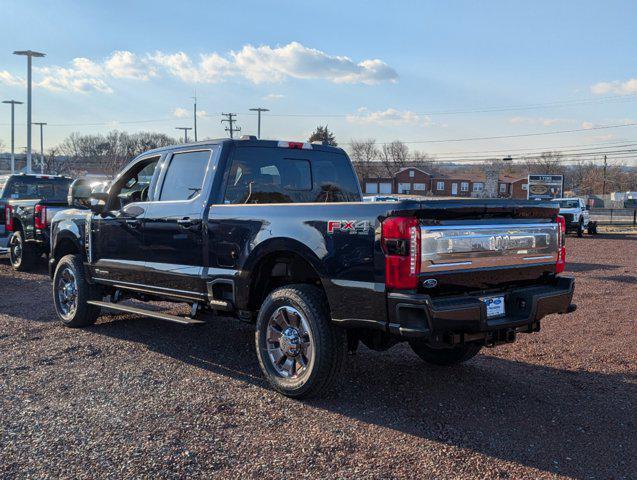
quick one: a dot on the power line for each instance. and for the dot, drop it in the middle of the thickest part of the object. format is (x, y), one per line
(519, 135)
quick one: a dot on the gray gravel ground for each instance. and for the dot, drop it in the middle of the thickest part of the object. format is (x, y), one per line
(133, 397)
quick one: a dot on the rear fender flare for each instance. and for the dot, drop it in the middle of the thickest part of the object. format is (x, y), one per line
(277, 245)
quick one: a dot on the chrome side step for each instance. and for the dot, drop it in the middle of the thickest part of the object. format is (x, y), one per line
(147, 313)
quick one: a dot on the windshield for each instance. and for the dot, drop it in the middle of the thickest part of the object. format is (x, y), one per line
(569, 203)
(29, 188)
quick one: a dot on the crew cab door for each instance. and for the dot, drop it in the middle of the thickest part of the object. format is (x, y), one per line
(117, 246)
(174, 234)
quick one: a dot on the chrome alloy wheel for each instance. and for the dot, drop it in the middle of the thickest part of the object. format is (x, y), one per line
(66, 289)
(15, 250)
(289, 343)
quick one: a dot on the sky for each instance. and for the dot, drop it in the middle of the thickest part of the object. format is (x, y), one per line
(439, 75)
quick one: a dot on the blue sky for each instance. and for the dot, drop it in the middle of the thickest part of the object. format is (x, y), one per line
(367, 69)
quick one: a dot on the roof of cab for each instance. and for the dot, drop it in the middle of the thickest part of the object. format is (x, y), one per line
(248, 142)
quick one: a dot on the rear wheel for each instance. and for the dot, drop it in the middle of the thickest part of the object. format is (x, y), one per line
(71, 291)
(300, 350)
(580, 229)
(445, 356)
(22, 254)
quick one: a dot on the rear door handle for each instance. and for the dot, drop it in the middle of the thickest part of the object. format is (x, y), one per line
(133, 222)
(184, 222)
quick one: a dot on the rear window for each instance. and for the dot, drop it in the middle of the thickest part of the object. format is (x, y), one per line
(569, 203)
(27, 188)
(273, 175)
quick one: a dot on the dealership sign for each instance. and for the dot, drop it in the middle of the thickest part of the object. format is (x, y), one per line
(545, 187)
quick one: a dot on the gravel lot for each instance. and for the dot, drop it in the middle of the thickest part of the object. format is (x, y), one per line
(133, 397)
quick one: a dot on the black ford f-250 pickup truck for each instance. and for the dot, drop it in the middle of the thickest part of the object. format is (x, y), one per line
(27, 205)
(275, 233)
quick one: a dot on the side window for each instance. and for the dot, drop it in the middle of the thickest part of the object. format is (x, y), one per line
(334, 180)
(134, 185)
(274, 180)
(185, 175)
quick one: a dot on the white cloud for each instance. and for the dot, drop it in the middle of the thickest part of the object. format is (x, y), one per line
(263, 64)
(124, 64)
(617, 87)
(202, 113)
(267, 64)
(180, 112)
(391, 116)
(82, 76)
(588, 125)
(274, 96)
(10, 79)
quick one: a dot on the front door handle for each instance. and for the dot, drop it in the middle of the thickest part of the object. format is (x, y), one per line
(133, 222)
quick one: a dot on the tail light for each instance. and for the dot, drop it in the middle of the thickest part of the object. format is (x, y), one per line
(561, 245)
(295, 145)
(400, 241)
(40, 217)
(8, 218)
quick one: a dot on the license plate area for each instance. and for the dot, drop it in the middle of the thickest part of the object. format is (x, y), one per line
(495, 306)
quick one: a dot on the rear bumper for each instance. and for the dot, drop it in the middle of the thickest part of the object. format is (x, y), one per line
(421, 316)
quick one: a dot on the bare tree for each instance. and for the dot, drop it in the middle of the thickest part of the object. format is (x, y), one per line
(364, 155)
(111, 152)
(550, 163)
(394, 156)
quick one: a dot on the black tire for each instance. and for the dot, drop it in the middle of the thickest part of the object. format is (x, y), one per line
(580, 229)
(327, 340)
(83, 315)
(445, 356)
(22, 254)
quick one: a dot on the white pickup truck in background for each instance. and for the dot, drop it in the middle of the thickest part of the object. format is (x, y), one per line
(577, 215)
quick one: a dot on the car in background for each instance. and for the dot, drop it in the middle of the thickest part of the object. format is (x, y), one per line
(27, 205)
(576, 215)
(380, 198)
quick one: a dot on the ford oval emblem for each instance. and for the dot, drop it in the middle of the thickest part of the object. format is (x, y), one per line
(430, 283)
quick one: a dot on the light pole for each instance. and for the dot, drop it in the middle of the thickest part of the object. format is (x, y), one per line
(185, 129)
(29, 54)
(259, 110)
(42, 124)
(13, 104)
(195, 114)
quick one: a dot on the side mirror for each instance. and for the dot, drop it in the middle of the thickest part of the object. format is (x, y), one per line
(98, 201)
(79, 193)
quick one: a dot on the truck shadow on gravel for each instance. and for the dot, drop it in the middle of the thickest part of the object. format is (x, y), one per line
(579, 424)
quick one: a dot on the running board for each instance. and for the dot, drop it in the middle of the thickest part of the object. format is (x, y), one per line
(147, 313)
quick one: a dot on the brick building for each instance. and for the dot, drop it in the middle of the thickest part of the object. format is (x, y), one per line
(414, 181)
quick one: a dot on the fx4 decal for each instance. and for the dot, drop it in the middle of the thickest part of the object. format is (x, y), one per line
(352, 227)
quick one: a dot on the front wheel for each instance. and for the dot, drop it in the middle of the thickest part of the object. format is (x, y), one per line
(300, 350)
(71, 292)
(445, 356)
(22, 254)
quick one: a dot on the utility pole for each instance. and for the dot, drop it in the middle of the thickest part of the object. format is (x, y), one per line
(29, 54)
(42, 124)
(259, 110)
(13, 103)
(604, 184)
(195, 114)
(230, 119)
(185, 129)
